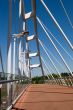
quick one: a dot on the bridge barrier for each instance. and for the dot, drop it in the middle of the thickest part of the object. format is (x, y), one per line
(17, 85)
(66, 81)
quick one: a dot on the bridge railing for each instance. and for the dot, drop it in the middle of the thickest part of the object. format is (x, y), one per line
(66, 81)
(16, 87)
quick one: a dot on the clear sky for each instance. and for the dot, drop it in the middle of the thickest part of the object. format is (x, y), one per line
(58, 12)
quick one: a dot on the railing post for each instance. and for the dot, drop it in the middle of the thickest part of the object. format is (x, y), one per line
(0, 93)
(11, 94)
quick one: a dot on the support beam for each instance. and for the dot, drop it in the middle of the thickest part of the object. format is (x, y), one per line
(34, 17)
(34, 66)
(20, 39)
(14, 57)
(33, 54)
(32, 37)
(9, 51)
(14, 64)
(35, 36)
(28, 15)
(1, 61)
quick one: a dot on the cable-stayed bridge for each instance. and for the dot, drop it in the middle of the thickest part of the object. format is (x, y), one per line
(55, 91)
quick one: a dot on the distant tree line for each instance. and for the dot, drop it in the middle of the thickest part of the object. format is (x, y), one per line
(40, 79)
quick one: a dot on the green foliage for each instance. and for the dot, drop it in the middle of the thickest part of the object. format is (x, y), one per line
(50, 76)
(55, 75)
(39, 80)
(65, 74)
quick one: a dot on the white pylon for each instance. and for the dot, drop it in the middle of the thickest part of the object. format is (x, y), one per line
(14, 57)
(9, 61)
(20, 39)
(14, 63)
(25, 17)
(9, 49)
(20, 58)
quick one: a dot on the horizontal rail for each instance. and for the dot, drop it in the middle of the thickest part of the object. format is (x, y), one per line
(8, 81)
(7, 100)
(11, 106)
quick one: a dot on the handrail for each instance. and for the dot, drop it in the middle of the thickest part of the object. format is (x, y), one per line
(15, 90)
(7, 81)
(65, 81)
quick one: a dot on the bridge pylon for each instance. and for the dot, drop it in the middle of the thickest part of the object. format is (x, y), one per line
(31, 38)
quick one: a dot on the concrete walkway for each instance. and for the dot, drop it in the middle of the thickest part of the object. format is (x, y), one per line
(46, 97)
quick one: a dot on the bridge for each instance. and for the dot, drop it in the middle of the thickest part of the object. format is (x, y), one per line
(36, 78)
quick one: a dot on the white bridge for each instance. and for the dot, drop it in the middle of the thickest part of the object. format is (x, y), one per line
(19, 64)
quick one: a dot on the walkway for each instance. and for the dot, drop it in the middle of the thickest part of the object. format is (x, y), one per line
(46, 97)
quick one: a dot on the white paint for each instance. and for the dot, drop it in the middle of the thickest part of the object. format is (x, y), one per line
(33, 54)
(9, 67)
(28, 15)
(29, 38)
(34, 66)
(14, 56)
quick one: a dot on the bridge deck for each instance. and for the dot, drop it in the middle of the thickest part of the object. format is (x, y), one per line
(46, 97)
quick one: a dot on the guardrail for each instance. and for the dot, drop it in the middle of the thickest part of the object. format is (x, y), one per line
(16, 86)
(66, 81)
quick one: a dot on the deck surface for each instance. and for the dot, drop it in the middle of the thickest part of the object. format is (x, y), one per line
(46, 97)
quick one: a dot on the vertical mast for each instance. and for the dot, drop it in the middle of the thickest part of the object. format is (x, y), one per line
(20, 39)
(9, 47)
(9, 38)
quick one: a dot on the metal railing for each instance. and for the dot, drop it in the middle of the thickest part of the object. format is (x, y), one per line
(65, 81)
(16, 86)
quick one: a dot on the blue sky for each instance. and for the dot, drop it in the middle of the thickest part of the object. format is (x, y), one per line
(58, 12)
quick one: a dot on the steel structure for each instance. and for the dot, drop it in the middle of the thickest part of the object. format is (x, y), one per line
(27, 16)
(1, 61)
(25, 56)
